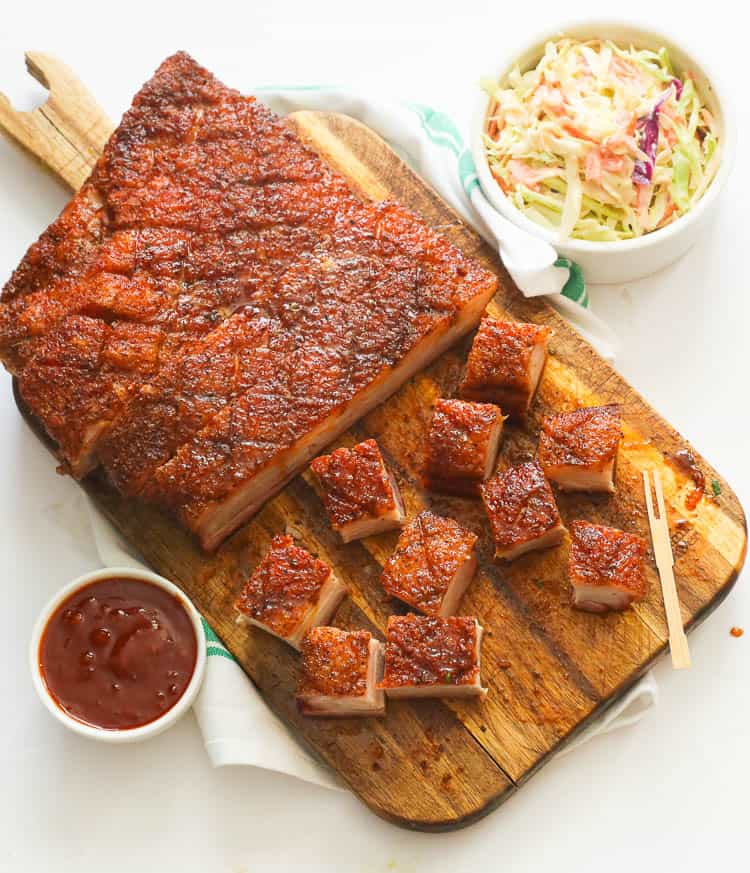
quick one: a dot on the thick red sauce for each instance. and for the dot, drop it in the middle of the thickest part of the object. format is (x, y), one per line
(118, 653)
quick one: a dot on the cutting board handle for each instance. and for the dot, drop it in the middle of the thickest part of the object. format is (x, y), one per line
(68, 132)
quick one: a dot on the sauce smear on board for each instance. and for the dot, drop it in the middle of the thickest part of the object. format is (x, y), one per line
(118, 653)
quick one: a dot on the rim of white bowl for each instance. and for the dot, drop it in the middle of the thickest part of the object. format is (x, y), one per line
(126, 735)
(571, 245)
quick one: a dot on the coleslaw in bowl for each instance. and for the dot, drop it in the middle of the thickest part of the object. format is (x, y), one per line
(606, 140)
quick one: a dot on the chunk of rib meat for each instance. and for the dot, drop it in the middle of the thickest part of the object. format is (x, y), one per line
(426, 656)
(432, 565)
(522, 511)
(462, 446)
(578, 449)
(359, 493)
(340, 674)
(606, 567)
(505, 364)
(243, 305)
(289, 592)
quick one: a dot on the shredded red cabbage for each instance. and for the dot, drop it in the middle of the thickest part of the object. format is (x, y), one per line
(643, 171)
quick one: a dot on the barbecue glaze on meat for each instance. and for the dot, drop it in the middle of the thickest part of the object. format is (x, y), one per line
(359, 494)
(605, 567)
(426, 656)
(522, 511)
(578, 449)
(289, 592)
(505, 364)
(432, 564)
(462, 446)
(215, 305)
(340, 672)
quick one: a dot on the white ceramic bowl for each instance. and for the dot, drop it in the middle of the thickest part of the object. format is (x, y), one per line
(129, 735)
(624, 260)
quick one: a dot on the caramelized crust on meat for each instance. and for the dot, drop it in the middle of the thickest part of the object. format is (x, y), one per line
(424, 650)
(285, 586)
(242, 305)
(334, 662)
(520, 506)
(583, 437)
(355, 484)
(606, 564)
(431, 551)
(461, 445)
(505, 363)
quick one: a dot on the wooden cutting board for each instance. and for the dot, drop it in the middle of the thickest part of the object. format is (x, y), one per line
(549, 669)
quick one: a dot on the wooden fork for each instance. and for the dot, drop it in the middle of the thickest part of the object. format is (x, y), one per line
(678, 644)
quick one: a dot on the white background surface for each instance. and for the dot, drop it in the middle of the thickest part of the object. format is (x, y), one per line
(668, 794)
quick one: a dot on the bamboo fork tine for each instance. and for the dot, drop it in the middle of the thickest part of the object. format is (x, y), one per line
(678, 645)
(649, 504)
(660, 499)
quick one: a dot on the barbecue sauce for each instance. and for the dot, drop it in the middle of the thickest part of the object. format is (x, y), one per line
(684, 461)
(118, 653)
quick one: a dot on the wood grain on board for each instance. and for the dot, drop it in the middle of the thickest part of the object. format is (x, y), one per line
(549, 669)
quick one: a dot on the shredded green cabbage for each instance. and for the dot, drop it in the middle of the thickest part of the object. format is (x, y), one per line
(600, 142)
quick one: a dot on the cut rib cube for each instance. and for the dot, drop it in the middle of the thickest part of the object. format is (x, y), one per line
(426, 656)
(289, 592)
(340, 673)
(605, 567)
(578, 449)
(359, 493)
(432, 565)
(505, 364)
(522, 511)
(462, 445)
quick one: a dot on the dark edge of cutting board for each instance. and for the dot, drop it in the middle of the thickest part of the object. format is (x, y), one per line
(397, 766)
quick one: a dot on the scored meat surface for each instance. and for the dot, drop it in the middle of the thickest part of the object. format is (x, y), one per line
(427, 656)
(216, 305)
(289, 592)
(432, 564)
(359, 494)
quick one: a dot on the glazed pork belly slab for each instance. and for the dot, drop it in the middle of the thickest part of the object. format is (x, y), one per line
(426, 656)
(522, 511)
(359, 494)
(462, 446)
(290, 592)
(340, 674)
(605, 567)
(432, 565)
(578, 449)
(216, 305)
(505, 364)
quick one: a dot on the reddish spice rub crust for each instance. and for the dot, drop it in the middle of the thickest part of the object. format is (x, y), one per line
(583, 437)
(605, 556)
(354, 483)
(424, 650)
(226, 292)
(458, 445)
(284, 587)
(335, 662)
(520, 505)
(429, 553)
(499, 366)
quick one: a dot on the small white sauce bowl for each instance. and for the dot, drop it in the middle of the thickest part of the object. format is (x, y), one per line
(127, 735)
(622, 260)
